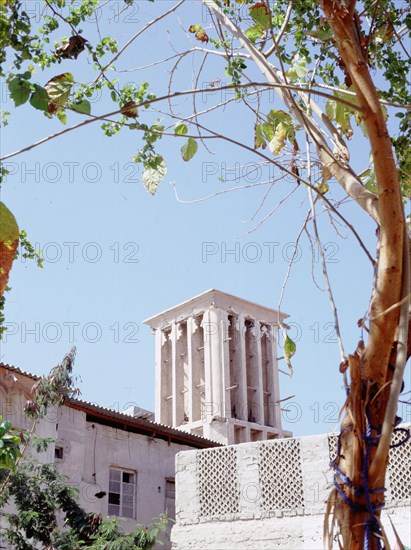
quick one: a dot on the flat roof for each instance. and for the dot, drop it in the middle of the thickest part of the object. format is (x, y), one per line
(217, 298)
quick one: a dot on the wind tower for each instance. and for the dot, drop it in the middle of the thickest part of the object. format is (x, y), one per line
(216, 368)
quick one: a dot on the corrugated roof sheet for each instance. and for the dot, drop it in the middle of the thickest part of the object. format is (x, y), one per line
(149, 426)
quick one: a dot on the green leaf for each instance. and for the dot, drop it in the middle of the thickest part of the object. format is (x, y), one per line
(283, 132)
(278, 129)
(268, 130)
(289, 350)
(39, 98)
(9, 233)
(254, 33)
(260, 15)
(189, 149)
(58, 89)
(278, 141)
(298, 69)
(180, 129)
(259, 140)
(322, 187)
(82, 107)
(340, 113)
(61, 115)
(367, 177)
(20, 90)
(152, 176)
(324, 33)
(6, 425)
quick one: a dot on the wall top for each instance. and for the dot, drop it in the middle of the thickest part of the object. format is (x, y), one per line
(218, 299)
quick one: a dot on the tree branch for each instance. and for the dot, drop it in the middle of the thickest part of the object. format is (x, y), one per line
(335, 162)
(391, 215)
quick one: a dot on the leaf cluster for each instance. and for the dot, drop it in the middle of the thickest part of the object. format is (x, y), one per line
(10, 442)
(52, 389)
(40, 493)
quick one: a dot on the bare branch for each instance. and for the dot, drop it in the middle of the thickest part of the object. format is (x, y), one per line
(219, 193)
(324, 265)
(277, 40)
(158, 99)
(135, 36)
(290, 264)
(194, 49)
(335, 162)
(273, 210)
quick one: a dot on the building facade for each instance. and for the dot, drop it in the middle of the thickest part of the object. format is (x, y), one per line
(216, 368)
(123, 465)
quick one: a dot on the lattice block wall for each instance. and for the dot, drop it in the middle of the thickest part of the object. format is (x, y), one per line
(399, 468)
(332, 446)
(219, 490)
(281, 478)
(399, 465)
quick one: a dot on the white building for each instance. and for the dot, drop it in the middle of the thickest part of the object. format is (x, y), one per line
(122, 464)
(216, 368)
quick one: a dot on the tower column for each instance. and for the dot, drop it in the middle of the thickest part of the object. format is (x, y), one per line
(258, 365)
(177, 377)
(275, 410)
(217, 371)
(191, 375)
(159, 387)
(242, 374)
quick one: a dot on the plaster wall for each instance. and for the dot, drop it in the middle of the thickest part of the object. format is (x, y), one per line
(274, 495)
(90, 449)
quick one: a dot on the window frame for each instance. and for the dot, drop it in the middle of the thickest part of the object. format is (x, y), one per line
(119, 487)
(58, 453)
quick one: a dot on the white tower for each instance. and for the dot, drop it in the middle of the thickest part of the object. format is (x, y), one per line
(216, 368)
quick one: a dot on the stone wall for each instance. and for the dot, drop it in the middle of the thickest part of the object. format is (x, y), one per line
(271, 494)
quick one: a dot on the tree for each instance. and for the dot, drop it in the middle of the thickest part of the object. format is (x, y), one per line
(339, 68)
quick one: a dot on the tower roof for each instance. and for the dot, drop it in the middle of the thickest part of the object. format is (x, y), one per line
(215, 298)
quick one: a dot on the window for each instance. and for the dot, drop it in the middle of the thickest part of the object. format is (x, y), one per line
(170, 487)
(58, 453)
(170, 503)
(121, 496)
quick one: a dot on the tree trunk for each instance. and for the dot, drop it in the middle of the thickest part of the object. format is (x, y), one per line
(359, 496)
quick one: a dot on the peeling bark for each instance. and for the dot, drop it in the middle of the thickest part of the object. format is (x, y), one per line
(369, 366)
(372, 366)
(369, 396)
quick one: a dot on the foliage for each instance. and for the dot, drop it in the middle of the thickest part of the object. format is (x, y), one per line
(52, 389)
(40, 492)
(10, 443)
(307, 54)
(27, 250)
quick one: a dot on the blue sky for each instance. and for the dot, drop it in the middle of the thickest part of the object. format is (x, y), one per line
(115, 256)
